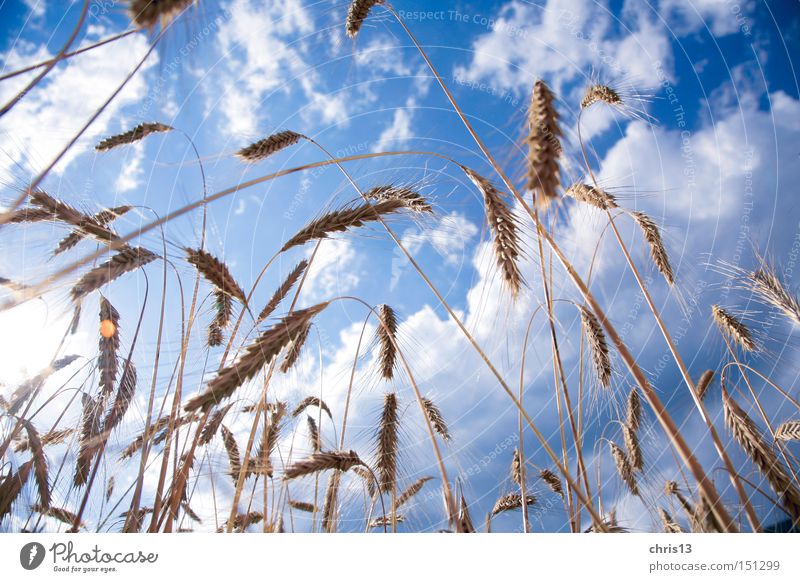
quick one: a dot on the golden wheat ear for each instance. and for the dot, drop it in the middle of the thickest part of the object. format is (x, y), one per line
(544, 145)
(600, 93)
(386, 462)
(151, 13)
(504, 227)
(264, 148)
(733, 328)
(511, 502)
(323, 461)
(131, 136)
(387, 339)
(356, 14)
(592, 196)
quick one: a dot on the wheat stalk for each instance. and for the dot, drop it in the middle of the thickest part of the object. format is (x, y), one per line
(264, 148)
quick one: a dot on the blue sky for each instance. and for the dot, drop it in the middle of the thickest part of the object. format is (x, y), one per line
(711, 155)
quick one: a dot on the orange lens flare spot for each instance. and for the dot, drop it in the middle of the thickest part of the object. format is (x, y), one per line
(107, 328)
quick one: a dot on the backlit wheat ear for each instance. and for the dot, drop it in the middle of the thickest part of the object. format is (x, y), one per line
(234, 458)
(136, 444)
(90, 429)
(39, 462)
(264, 148)
(633, 448)
(552, 481)
(386, 462)
(749, 437)
(138, 133)
(190, 512)
(323, 461)
(733, 328)
(597, 346)
(54, 437)
(127, 260)
(386, 521)
(215, 272)
(504, 229)
(223, 307)
(62, 211)
(510, 502)
(544, 147)
(150, 13)
(269, 438)
(109, 344)
(412, 200)
(592, 196)
(343, 219)
(602, 93)
(633, 411)
(624, 467)
(257, 355)
(436, 419)
(311, 401)
(516, 468)
(213, 424)
(412, 490)
(356, 14)
(110, 487)
(59, 513)
(765, 284)
(123, 399)
(387, 336)
(242, 521)
(329, 505)
(671, 488)
(295, 348)
(788, 431)
(282, 291)
(102, 218)
(11, 487)
(313, 434)
(30, 214)
(302, 506)
(658, 252)
(368, 479)
(670, 526)
(704, 383)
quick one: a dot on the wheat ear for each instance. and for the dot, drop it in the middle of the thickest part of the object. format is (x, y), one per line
(544, 146)
(264, 148)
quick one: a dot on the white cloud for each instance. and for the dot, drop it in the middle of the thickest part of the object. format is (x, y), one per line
(399, 131)
(37, 7)
(39, 126)
(333, 272)
(132, 172)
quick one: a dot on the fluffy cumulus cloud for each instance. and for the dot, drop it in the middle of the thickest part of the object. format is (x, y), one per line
(721, 17)
(66, 99)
